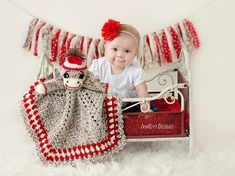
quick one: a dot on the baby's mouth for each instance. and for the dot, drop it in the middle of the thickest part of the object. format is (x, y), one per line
(120, 61)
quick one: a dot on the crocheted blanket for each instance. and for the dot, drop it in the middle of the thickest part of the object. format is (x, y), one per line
(69, 125)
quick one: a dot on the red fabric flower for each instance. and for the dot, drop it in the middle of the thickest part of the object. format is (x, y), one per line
(111, 30)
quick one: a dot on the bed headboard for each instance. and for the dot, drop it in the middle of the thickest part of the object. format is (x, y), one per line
(159, 79)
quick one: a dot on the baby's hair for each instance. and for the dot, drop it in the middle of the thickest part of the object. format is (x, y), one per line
(75, 52)
(130, 30)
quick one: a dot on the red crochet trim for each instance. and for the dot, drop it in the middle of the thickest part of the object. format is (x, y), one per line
(106, 87)
(45, 88)
(74, 152)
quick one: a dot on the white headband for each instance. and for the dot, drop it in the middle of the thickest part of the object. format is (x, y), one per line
(131, 35)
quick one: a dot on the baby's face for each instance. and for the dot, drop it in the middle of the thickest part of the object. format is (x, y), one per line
(121, 51)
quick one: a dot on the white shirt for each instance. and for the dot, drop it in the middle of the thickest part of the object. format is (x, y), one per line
(123, 84)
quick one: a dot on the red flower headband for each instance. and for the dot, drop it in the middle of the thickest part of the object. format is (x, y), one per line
(111, 30)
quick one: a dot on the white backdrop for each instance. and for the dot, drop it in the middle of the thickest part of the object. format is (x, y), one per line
(212, 66)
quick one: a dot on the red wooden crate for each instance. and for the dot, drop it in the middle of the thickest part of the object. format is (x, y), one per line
(154, 124)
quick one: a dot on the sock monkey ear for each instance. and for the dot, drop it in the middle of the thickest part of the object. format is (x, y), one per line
(58, 72)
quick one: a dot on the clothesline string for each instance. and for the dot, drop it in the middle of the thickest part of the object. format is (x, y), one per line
(12, 2)
(202, 8)
(16, 5)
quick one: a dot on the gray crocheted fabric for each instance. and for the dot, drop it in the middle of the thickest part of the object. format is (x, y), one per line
(71, 124)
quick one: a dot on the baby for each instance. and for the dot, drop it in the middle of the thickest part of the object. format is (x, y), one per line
(117, 67)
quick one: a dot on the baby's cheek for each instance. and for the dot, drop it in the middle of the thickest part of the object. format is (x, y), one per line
(111, 60)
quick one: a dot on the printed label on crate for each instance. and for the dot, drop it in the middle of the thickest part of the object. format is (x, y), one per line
(151, 124)
(157, 126)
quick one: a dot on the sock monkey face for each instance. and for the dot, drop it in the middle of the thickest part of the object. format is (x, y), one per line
(73, 79)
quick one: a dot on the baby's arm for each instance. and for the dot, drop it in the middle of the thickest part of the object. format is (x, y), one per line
(142, 90)
(139, 82)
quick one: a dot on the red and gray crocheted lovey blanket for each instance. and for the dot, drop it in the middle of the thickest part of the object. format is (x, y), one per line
(69, 125)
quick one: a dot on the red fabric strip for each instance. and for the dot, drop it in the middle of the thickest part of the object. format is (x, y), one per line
(166, 47)
(35, 53)
(54, 46)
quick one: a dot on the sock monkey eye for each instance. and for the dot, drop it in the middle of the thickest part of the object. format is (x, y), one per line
(81, 76)
(66, 75)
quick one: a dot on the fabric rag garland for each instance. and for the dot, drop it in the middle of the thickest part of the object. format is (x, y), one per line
(159, 48)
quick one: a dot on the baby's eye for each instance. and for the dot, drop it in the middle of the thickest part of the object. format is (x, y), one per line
(81, 76)
(66, 75)
(114, 49)
(127, 51)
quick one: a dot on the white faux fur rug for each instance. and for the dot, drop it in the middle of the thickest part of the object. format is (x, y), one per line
(19, 157)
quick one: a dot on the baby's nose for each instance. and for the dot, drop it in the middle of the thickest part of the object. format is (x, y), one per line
(120, 54)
